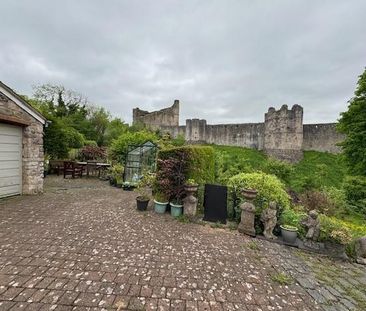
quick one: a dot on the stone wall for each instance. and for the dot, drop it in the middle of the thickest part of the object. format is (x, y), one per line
(282, 135)
(32, 156)
(157, 119)
(322, 137)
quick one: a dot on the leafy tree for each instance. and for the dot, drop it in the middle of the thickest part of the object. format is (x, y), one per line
(55, 139)
(115, 128)
(353, 124)
(118, 149)
(99, 120)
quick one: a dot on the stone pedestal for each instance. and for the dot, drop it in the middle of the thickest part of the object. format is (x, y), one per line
(190, 201)
(360, 248)
(246, 225)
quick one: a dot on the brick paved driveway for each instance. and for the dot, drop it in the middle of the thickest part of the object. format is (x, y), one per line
(83, 246)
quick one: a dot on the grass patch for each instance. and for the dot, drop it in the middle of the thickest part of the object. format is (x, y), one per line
(253, 245)
(282, 278)
(183, 219)
(329, 170)
(217, 225)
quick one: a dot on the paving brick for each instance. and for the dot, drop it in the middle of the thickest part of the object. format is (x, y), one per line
(83, 246)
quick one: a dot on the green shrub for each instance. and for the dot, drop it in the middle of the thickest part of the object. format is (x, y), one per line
(280, 169)
(329, 201)
(179, 141)
(355, 188)
(119, 147)
(231, 160)
(200, 165)
(317, 170)
(334, 230)
(269, 188)
(293, 218)
(90, 143)
(200, 161)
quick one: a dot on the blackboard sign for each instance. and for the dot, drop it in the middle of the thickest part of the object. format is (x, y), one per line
(215, 203)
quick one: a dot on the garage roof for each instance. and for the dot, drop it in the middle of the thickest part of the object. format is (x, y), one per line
(8, 92)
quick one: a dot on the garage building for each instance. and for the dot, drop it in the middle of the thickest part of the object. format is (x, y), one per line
(21, 145)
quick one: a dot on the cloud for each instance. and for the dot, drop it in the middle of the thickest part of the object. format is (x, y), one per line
(227, 61)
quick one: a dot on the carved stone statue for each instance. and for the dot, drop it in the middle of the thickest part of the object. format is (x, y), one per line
(246, 225)
(269, 219)
(360, 248)
(313, 224)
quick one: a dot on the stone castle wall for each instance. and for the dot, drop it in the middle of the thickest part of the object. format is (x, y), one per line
(32, 156)
(282, 135)
(322, 137)
(156, 119)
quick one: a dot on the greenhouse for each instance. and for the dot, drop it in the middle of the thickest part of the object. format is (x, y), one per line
(140, 158)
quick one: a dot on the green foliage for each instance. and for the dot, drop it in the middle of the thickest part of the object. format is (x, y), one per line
(353, 124)
(92, 143)
(329, 201)
(230, 160)
(291, 217)
(280, 169)
(282, 278)
(355, 189)
(200, 161)
(119, 147)
(56, 140)
(116, 171)
(269, 188)
(115, 128)
(332, 229)
(179, 141)
(73, 137)
(316, 170)
(145, 184)
(335, 230)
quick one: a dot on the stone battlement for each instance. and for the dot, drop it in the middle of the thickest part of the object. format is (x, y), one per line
(282, 135)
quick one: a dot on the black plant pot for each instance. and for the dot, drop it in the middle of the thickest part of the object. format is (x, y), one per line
(142, 203)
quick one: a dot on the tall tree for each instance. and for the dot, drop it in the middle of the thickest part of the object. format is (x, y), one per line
(353, 124)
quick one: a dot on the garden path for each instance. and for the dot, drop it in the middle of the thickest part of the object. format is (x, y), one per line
(83, 246)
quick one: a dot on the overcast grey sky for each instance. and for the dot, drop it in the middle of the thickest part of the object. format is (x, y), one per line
(226, 61)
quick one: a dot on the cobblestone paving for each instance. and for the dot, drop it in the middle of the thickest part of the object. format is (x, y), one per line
(83, 246)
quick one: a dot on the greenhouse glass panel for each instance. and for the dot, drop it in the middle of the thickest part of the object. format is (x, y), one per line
(140, 158)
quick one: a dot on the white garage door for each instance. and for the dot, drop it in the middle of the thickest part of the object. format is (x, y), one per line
(10, 160)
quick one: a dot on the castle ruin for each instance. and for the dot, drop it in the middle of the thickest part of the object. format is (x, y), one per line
(282, 135)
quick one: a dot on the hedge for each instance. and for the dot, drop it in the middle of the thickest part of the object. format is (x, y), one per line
(200, 161)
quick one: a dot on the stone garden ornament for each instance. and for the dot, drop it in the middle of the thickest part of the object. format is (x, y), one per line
(269, 219)
(246, 225)
(360, 248)
(312, 223)
(190, 201)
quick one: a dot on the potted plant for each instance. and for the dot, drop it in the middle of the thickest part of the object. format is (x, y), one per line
(119, 182)
(176, 208)
(289, 233)
(115, 173)
(160, 202)
(143, 188)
